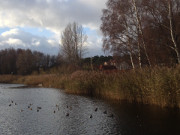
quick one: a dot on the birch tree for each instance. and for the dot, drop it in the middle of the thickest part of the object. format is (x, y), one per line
(164, 14)
(172, 30)
(140, 29)
(147, 30)
(118, 30)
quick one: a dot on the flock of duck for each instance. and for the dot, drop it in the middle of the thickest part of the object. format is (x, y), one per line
(57, 109)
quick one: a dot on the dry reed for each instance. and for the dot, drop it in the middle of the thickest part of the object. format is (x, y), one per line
(160, 86)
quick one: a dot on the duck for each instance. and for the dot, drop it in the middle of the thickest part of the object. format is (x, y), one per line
(96, 109)
(29, 105)
(67, 114)
(90, 116)
(39, 108)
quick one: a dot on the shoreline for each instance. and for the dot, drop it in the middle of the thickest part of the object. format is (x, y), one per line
(158, 86)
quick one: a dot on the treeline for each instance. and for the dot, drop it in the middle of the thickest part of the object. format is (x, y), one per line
(90, 63)
(147, 31)
(25, 61)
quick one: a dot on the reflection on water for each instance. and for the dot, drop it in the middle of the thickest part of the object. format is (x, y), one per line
(36, 111)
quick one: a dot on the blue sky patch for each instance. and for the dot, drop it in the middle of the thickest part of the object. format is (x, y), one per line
(38, 31)
(89, 31)
(4, 29)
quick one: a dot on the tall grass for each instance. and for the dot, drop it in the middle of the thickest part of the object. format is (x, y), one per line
(159, 85)
(8, 78)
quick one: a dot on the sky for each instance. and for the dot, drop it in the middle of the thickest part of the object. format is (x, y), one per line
(38, 24)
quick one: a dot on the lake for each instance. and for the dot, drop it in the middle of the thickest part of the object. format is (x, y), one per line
(35, 111)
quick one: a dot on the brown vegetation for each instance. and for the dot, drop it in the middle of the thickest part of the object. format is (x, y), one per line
(158, 86)
(147, 31)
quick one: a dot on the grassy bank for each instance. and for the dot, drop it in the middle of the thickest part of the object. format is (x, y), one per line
(160, 86)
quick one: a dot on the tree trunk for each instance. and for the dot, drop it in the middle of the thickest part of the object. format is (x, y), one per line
(141, 32)
(139, 55)
(130, 55)
(172, 33)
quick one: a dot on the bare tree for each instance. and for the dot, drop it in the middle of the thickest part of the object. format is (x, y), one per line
(164, 15)
(73, 41)
(172, 30)
(119, 31)
(146, 30)
(25, 62)
(140, 29)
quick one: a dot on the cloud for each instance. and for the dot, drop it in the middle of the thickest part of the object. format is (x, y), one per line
(15, 38)
(13, 41)
(52, 15)
(11, 32)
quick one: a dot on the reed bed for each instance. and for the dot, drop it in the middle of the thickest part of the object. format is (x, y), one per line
(158, 85)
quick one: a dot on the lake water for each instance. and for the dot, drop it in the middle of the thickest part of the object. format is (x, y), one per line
(35, 111)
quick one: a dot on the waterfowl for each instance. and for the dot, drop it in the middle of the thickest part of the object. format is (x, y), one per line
(9, 104)
(90, 116)
(67, 114)
(96, 109)
(39, 108)
(105, 112)
(29, 105)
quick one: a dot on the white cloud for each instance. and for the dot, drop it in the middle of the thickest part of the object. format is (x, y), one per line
(52, 42)
(13, 41)
(19, 39)
(35, 42)
(52, 15)
(11, 32)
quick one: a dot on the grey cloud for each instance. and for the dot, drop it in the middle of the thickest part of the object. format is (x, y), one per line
(28, 41)
(54, 14)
